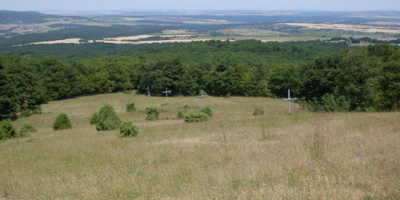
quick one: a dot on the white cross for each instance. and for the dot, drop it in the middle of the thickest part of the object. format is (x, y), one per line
(289, 99)
(166, 93)
(202, 97)
(148, 91)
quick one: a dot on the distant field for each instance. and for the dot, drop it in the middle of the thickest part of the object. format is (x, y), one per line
(175, 38)
(235, 155)
(349, 27)
(251, 32)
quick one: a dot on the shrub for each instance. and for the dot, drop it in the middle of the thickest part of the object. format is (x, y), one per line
(130, 107)
(258, 111)
(26, 129)
(152, 114)
(128, 129)
(181, 115)
(7, 130)
(94, 119)
(108, 119)
(62, 122)
(207, 111)
(196, 117)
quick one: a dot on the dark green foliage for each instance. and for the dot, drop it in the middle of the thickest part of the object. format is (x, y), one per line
(108, 119)
(130, 107)
(26, 129)
(359, 79)
(181, 115)
(128, 129)
(7, 130)
(207, 111)
(196, 117)
(222, 68)
(282, 78)
(258, 111)
(94, 119)
(62, 122)
(152, 114)
(328, 103)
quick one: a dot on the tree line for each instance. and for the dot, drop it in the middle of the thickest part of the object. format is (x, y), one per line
(243, 68)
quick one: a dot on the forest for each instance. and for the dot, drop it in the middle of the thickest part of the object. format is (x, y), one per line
(326, 76)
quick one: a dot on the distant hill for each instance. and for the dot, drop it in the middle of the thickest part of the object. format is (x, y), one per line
(25, 17)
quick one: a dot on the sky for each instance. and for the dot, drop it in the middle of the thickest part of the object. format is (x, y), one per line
(131, 5)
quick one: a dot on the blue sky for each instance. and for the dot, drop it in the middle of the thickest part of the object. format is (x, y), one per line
(124, 5)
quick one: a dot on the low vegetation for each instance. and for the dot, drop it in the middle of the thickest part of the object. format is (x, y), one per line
(130, 107)
(258, 111)
(128, 129)
(26, 129)
(152, 113)
(208, 111)
(7, 130)
(196, 117)
(62, 122)
(181, 114)
(107, 119)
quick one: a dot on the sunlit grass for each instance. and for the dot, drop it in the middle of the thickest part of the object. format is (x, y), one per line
(234, 155)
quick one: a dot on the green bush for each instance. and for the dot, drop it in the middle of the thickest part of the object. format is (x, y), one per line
(208, 111)
(7, 130)
(26, 129)
(94, 119)
(130, 107)
(196, 117)
(258, 111)
(128, 129)
(108, 119)
(181, 115)
(62, 122)
(152, 114)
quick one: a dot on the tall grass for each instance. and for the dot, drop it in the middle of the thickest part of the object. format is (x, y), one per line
(234, 155)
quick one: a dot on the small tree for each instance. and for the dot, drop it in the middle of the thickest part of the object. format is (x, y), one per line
(62, 122)
(7, 130)
(26, 129)
(130, 107)
(208, 111)
(108, 119)
(152, 114)
(128, 129)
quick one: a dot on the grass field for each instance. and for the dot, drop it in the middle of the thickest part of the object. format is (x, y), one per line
(235, 155)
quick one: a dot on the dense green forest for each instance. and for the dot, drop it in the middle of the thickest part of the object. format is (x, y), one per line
(362, 79)
(328, 76)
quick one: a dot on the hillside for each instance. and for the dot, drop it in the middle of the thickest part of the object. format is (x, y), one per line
(234, 155)
(26, 17)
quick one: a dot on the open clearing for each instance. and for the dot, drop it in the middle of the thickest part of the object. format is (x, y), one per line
(235, 155)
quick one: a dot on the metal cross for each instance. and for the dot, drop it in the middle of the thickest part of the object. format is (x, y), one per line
(166, 93)
(289, 99)
(148, 91)
(202, 96)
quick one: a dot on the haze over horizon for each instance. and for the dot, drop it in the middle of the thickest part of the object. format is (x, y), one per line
(125, 5)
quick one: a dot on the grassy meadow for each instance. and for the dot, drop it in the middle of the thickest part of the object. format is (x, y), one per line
(235, 155)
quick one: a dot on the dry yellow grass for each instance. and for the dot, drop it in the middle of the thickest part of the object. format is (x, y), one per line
(235, 155)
